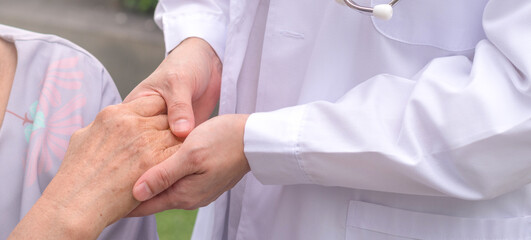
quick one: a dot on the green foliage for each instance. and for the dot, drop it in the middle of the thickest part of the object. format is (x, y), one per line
(175, 224)
(144, 6)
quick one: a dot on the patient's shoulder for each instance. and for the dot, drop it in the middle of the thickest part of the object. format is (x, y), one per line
(52, 60)
(42, 43)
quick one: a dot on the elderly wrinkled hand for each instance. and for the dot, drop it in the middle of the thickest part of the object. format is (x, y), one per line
(93, 187)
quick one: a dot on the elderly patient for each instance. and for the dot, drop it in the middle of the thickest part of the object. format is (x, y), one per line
(50, 88)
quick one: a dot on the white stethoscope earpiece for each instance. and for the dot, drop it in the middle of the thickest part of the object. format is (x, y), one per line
(381, 11)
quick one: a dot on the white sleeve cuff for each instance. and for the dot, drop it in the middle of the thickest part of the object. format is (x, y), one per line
(211, 28)
(271, 145)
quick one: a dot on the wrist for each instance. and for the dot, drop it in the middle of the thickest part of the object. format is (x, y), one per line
(48, 220)
(206, 48)
(201, 43)
(72, 222)
(242, 120)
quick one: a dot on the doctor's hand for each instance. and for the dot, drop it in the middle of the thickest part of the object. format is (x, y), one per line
(93, 187)
(210, 162)
(189, 81)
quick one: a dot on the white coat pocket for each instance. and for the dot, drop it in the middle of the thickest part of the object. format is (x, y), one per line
(376, 222)
(453, 25)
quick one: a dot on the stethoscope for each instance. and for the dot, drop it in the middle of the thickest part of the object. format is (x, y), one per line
(382, 11)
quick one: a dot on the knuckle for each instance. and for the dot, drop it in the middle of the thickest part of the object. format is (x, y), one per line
(108, 112)
(116, 118)
(111, 116)
(179, 106)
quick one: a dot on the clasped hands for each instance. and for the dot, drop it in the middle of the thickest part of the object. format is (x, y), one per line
(211, 159)
(155, 151)
(209, 162)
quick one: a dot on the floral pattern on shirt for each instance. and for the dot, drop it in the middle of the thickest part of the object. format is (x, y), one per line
(50, 121)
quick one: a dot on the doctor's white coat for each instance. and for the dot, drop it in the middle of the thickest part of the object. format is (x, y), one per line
(413, 128)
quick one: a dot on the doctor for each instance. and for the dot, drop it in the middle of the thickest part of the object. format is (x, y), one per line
(339, 125)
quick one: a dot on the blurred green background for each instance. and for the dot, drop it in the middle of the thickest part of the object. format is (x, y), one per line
(142, 6)
(175, 224)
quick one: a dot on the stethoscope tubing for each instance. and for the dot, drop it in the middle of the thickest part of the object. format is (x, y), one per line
(354, 5)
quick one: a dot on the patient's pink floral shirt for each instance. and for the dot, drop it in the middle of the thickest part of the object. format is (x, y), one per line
(58, 88)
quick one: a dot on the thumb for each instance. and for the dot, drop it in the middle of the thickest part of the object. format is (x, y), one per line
(180, 112)
(158, 178)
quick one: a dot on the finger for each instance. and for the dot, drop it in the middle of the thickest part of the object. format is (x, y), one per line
(167, 145)
(180, 111)
(159, 122)
(165, 150)
(147, 106)
(160, 177)
(175, 197)
(172, 148)
(157, 204)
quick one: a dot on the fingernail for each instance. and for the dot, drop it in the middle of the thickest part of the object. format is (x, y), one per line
(181, 125)
(142, 192)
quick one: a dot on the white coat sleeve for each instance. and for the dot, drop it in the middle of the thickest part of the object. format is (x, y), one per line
(181, 19)
(459, 128)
